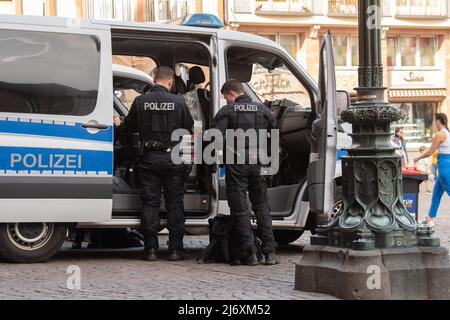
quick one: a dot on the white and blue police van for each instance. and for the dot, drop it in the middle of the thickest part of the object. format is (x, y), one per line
(60, 152)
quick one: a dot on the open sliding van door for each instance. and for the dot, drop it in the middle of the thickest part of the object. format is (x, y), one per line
(321, 170)
(56, 114)
(170, 45)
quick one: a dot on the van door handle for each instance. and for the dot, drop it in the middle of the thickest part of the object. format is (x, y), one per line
(97, 126)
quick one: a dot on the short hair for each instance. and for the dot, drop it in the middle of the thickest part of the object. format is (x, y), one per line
(232, 85)
(163, 74)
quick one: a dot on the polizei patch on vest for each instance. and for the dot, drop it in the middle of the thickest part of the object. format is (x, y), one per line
(159, 106)
(246, 108)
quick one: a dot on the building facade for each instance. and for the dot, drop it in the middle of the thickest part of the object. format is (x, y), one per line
(415, 40)
(126, 10)
(415, 47)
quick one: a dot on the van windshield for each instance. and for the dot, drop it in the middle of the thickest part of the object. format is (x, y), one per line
(267, 76)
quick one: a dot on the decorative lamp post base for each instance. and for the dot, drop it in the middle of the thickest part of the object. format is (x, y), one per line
(364, 240)
(402, 273)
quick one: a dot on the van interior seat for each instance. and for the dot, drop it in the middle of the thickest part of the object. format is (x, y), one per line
(294, 129)
(179, 86)
(196, 77)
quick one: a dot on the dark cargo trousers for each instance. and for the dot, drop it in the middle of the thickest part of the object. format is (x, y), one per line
(157, 173)
(239, 180)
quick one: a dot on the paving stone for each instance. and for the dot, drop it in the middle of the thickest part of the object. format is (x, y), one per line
(120, 274)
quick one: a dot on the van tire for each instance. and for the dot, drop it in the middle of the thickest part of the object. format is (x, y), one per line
(17, 246)
(338, 200)
(285, 237)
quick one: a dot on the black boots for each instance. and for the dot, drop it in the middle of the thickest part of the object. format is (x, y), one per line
(271, 259)
(175, 255)
(251, 260)
(150, 255)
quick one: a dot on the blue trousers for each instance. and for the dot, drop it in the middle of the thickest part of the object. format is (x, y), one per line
(442, 183)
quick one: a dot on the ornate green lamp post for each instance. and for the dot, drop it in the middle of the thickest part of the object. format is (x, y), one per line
(374, 215)
(374, 229)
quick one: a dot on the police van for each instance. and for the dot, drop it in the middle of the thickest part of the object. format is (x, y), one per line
(60, 151)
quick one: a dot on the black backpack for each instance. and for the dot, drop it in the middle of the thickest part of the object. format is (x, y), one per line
(224, 243)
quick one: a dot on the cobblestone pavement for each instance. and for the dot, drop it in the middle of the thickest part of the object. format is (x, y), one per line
(120, 274)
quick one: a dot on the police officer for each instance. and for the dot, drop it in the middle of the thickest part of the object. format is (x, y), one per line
(155, 115)
(242, 113)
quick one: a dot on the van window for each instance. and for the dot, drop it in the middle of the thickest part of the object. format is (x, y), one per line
(144, 64)
(48, 73)
(268, 76)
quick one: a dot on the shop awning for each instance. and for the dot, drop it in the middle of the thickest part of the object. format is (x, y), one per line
(416, 95)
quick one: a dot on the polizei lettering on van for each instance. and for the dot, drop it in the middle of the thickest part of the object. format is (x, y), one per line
(159, 106)
(52, 161)
(246, 107)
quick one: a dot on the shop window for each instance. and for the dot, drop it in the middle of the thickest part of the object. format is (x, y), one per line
(391, 51)
(29, 83)
(304, 7)
(422, 8)
(340, 50)
(172, 9)
(33, 7)
(354, 44)
(272, 37)
(343, 7)
(150, 10)
(66, 8)
(407, 51)
(288, 41)
(345, 51)
(6, 7)
(417, 122)
(109, 9)
(427, 51)
(242, 6)
(412, 51)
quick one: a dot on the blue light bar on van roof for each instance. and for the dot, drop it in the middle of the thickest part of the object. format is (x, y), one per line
(202, 20)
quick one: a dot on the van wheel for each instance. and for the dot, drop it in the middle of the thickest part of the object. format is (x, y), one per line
(338, 202)
(30, 242)
(284, 237)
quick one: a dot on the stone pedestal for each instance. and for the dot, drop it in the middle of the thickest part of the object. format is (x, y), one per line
(404, 273)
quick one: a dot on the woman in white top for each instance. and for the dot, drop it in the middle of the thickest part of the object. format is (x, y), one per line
(441, 142)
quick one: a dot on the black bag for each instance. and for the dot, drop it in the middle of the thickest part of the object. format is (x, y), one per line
(224, 244)
(218, 250)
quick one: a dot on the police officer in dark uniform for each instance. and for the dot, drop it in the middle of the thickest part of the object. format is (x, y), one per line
(155, 115)
(242, 113)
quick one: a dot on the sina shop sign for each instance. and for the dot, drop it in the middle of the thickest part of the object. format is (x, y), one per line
(414, 78)
(410, 78)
